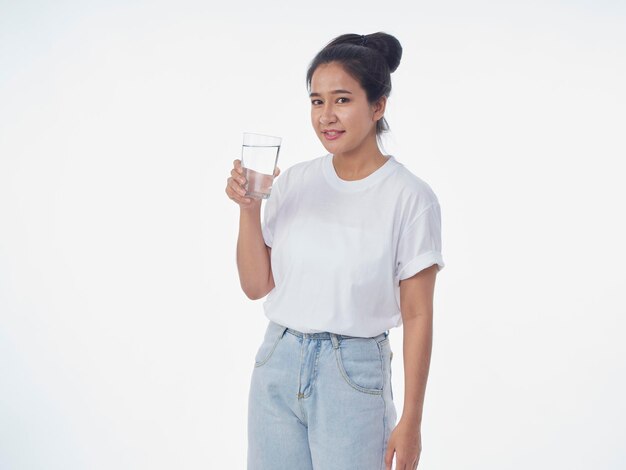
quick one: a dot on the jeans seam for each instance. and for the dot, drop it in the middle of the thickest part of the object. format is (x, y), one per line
(382, 361)
(382, 458)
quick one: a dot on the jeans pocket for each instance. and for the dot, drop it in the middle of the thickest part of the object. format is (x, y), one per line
(360, 362)
(273, 334)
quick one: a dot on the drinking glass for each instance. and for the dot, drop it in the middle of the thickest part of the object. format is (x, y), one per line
(259, 156)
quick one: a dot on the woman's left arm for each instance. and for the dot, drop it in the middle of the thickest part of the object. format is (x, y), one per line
(416, 306)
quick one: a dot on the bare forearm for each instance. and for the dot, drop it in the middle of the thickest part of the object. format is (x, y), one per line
(417, 347)
(253, 261)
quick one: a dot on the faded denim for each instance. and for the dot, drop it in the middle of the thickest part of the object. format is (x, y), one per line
(320, 401)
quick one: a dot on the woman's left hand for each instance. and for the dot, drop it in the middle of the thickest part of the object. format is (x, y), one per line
(406, 441)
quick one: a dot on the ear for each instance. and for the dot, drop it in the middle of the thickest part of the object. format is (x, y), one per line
(378, 108)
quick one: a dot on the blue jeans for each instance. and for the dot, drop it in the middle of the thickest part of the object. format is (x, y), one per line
(320, 401)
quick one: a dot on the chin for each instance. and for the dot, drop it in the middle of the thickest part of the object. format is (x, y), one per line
(329, 148)
(332, 147)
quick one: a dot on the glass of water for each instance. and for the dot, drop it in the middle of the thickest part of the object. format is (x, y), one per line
(259, 157)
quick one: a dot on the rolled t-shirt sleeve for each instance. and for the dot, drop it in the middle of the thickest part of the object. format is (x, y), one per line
(419, 245)
(270, 212)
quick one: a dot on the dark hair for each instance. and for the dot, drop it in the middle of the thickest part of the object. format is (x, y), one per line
(370, 59)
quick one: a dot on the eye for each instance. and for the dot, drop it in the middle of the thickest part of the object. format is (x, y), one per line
(316, 102)
(343, 100)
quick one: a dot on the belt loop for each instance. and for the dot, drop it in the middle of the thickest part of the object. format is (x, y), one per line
(284, 329)
(335, 340)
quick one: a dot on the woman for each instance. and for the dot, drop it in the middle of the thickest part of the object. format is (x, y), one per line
(357, 246)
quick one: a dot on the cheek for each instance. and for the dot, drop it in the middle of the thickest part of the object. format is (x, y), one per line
(313, 120)
(315, 117)
(361, 121)
(356, 116)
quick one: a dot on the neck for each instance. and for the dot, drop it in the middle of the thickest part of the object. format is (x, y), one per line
(360, 162)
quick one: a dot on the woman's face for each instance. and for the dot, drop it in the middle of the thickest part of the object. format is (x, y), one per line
(343, 119)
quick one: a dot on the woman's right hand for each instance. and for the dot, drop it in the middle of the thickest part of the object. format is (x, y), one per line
(235, 186)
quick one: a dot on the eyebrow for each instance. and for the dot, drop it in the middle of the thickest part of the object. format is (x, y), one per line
(334, 92)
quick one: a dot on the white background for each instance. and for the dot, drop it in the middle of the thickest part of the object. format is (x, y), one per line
(125, 339)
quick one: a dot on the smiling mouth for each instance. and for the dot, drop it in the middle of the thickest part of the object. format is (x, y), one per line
(332, 135)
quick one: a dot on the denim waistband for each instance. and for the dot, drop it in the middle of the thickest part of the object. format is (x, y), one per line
(328, 335)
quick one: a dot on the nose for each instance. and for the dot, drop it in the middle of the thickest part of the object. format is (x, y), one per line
(327, 115)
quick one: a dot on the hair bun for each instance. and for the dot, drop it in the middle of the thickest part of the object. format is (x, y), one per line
(388, 46)
(384, 43)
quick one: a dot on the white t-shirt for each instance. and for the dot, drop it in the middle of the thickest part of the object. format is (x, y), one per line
(340, 248)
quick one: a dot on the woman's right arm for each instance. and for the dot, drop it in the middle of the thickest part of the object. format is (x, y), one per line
(253, 255)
